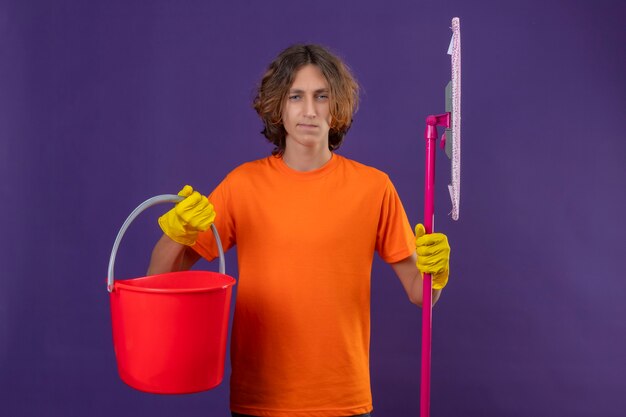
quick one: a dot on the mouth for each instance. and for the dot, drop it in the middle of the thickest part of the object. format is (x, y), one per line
(307, 125)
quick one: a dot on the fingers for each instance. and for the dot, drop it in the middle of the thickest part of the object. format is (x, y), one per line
(188, 217)
(196, 211)
(422, 239)
(189, 203)
(204, 221)
(437, 248)
(433, 251)
(186, 191)
(432, 239)
(419, 230)
(432, 266)
(440, 257)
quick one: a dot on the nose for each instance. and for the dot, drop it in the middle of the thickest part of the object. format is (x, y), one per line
(309, 107)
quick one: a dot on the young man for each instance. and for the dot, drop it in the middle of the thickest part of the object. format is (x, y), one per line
(306, 222)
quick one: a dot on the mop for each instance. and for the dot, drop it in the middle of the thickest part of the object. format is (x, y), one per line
(451, 141)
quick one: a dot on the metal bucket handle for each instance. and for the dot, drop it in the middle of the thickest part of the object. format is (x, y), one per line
(165, 198)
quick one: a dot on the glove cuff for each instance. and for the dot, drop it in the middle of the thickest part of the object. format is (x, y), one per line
(438, 281)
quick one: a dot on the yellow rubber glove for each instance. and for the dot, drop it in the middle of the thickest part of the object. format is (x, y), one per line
(192, 215)
(433, 256)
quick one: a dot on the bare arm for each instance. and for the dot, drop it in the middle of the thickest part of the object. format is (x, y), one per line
(411, 280)
(170, 256)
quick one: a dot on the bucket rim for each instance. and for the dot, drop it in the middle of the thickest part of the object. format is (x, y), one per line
(119, 285)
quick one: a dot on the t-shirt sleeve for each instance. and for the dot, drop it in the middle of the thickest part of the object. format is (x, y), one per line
(395, 240)
(224, 222)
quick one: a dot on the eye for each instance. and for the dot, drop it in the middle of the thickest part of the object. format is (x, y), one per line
(294, 97)
(322, 97)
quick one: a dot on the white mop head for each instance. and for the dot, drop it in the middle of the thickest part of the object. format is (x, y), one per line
(455, 96)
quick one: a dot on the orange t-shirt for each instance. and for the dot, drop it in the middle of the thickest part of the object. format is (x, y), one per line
(305, 244)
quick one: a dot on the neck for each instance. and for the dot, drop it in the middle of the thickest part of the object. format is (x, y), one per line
(305, 159)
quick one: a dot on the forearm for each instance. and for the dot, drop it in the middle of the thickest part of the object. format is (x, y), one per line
(411, 280)
(417, 292)
(170, 256)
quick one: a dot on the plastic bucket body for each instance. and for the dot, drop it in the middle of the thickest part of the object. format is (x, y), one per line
(170, 330)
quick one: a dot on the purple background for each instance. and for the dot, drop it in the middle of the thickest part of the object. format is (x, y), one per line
(106, 103)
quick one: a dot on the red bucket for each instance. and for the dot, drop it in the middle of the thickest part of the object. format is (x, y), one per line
(170, 330)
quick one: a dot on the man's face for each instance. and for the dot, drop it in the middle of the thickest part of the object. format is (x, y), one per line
(306, 110)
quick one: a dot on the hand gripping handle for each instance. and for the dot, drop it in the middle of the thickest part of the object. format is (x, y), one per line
(165, 198)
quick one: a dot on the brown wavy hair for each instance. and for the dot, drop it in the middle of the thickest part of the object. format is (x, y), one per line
(275, 84)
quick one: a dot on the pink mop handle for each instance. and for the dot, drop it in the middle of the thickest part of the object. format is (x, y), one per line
(429, 219)
(429, 210)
